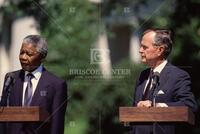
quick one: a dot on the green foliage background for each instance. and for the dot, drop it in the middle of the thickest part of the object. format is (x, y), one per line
(72, 27)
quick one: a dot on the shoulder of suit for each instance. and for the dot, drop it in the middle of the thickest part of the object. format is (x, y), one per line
(53, 77)
(14, 73)
(175, 70)
(145, 72)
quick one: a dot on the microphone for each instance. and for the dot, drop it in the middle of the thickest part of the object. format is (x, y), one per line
(8, 82)
(155, 83)
(7, 87)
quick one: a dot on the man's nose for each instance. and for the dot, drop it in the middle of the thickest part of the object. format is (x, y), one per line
(23, 56)
(140, 50)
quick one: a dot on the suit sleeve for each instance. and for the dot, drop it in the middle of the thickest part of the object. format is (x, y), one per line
(58, 109)
(3, 94)
(142, 77)
(135, 101)
(182, 95)
(3, 102)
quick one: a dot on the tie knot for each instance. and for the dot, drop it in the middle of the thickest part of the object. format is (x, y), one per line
(151, 73)
(30, 75)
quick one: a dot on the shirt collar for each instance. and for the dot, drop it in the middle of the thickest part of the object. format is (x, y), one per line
(160, 67)
(37, 73)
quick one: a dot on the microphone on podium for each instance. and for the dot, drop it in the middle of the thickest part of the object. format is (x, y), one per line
(7, 88)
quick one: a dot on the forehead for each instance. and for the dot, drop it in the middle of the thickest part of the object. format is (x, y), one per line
(28, 46)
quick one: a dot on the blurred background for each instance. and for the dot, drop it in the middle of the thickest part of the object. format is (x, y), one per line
(93, 45)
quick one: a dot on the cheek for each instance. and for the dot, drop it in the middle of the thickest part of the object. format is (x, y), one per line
(35, 60)
(151, 54)
(21, 58)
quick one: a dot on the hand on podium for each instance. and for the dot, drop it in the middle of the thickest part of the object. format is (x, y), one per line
(145, 103)
(148, 103)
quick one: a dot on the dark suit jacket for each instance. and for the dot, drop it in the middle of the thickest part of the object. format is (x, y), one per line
(50, 94)
(176, 85)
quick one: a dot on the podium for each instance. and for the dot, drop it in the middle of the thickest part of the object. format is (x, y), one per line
(156, 114)
(23, 114)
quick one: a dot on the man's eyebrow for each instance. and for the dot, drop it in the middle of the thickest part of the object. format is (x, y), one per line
(142, 45)
(27, 51)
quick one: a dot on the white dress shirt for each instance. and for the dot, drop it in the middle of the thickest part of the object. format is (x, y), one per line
(37, 74)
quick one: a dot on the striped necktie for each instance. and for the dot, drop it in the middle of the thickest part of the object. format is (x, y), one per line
(29, 90)
(146, 93)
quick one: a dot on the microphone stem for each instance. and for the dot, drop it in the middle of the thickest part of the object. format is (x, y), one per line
(154, 95)
(8, 99)
(154, 101)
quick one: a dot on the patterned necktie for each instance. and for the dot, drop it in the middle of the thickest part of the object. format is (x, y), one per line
(29, 89)
(145, 95)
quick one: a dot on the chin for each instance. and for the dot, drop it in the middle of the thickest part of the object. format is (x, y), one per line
(26, 68)
(143, 61)
(29, 68)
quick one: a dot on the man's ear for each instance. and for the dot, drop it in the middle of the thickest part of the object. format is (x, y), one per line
(42, 57)
(161, 50)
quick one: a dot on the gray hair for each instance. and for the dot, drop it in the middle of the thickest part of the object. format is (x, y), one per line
(38, 42)
(162, 37)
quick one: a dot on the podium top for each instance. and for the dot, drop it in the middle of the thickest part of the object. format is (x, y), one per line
(156, 114)
(21, 114)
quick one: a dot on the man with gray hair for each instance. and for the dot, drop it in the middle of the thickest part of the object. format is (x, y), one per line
(34, 86)
(162, 84)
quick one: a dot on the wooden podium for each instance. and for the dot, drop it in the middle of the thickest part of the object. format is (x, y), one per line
(156, 114)
(23, 114)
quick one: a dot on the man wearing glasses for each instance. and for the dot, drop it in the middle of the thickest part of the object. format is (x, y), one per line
(173, 85)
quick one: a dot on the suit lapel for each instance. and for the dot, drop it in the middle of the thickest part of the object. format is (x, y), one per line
(142, 83)
(41, 86)
(164, 76)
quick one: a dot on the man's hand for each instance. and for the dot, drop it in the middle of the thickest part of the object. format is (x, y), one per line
(146, 103)
(161, 105)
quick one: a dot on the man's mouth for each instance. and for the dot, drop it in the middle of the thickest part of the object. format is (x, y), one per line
(24, 64)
